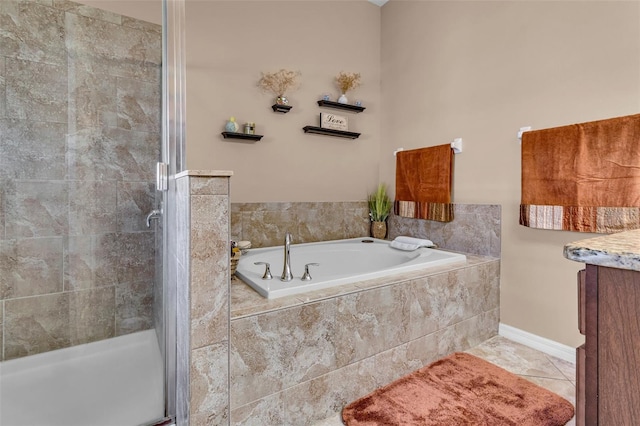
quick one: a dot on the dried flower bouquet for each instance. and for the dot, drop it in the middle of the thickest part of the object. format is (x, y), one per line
(347, 81)
(279, 82)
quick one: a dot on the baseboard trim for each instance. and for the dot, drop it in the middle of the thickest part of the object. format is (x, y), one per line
(541, 344)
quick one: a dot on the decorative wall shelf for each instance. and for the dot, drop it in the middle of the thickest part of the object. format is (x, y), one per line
(330, 132)
(238, 135)
(338, 105)
(281, 108)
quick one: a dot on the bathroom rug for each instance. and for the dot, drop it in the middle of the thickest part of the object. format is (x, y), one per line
(460, 389)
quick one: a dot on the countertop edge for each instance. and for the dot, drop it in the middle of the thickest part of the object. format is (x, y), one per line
(620, 250)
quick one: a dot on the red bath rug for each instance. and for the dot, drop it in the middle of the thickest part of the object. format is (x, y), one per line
(460, 389)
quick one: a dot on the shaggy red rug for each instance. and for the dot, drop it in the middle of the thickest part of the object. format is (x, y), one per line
(460, 389)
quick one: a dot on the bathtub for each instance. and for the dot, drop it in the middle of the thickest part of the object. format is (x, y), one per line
(340, 262)
(117, 381)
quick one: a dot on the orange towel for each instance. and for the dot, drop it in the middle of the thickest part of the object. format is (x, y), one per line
(424, 179)
(582, 177)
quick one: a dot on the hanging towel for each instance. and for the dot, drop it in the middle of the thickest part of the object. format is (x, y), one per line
(582, 177)
(424, 180)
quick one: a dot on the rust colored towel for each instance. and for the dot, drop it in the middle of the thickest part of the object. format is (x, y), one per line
(460, 390)
(424, 180)
(582, 177)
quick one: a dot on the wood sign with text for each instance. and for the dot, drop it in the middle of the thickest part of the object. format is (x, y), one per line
(333, 121)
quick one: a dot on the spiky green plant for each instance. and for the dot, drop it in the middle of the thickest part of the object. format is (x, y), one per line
(379, 204)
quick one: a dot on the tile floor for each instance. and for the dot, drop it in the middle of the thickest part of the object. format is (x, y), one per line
(549, 372)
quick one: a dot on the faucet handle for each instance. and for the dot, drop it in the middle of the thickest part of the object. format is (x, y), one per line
(306, 276)
(267, 271)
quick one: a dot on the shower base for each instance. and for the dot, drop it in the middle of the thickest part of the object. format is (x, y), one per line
(118, 381)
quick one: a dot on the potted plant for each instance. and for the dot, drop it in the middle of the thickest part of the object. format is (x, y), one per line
(379, 209)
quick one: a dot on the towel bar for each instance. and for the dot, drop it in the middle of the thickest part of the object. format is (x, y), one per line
(456, 145)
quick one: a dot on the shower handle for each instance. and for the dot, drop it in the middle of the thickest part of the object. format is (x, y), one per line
(155, 214)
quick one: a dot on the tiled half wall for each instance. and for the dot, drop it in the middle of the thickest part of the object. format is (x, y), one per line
(303, 363)
(475, 228)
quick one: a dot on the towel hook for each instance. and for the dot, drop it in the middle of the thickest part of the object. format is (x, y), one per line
(521, 131)
(456, 145)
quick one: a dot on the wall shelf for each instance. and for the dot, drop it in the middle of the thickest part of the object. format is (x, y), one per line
(281, 108)
(238, 135)
(330, 132)
(338, 105)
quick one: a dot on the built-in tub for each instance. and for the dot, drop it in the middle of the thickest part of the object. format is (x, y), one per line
(340, 262)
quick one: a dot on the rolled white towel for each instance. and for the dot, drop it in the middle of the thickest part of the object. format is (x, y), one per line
(416, 241)
(409, 243)
(403, 246)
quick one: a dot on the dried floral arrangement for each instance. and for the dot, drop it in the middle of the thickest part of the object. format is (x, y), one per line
(347, 81)
(279, 82)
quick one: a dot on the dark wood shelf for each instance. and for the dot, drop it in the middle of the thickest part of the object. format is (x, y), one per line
(281, 108)
(330, 132)
(338, 105)
(238, 135)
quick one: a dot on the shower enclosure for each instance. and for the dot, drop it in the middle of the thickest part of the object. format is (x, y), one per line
(83, 315)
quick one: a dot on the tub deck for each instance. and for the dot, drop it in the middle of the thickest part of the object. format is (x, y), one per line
(336, 262)
(245, 301)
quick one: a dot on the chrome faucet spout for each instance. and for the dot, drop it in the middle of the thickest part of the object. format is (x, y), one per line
(286, 272)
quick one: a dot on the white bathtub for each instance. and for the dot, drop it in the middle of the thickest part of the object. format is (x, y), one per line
(341, 262)
(113, 382)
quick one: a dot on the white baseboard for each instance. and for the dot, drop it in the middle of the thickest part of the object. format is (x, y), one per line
(541, 344)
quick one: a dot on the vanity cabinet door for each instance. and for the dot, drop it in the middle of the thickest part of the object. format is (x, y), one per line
(618, 359)
(580, 385)
(582, 301)
(587, 362)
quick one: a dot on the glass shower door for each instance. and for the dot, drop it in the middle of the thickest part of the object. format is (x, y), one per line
(81, 297)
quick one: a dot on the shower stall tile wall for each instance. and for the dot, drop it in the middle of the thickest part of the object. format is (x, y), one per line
(80, 136)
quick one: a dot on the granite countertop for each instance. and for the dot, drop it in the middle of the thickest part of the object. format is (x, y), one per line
(621, 250)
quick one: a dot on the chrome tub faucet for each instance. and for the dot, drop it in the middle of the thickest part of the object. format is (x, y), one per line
(286, 272)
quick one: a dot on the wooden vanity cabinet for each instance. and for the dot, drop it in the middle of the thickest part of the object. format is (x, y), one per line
(608, 364)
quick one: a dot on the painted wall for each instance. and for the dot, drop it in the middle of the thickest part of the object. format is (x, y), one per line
(482, 70)
(229, 44)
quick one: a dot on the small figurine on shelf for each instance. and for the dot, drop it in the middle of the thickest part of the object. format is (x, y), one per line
(231, 125)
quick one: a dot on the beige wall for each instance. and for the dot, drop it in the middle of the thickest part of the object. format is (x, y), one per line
(476, 70)
(482, 70)
(229, 44)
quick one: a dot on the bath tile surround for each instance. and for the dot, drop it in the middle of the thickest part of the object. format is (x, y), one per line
(303, 362)
(80, 113)
(301, 358)
(265, 224)
(475, 228)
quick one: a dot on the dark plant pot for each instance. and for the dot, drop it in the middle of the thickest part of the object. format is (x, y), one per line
(379, 230)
